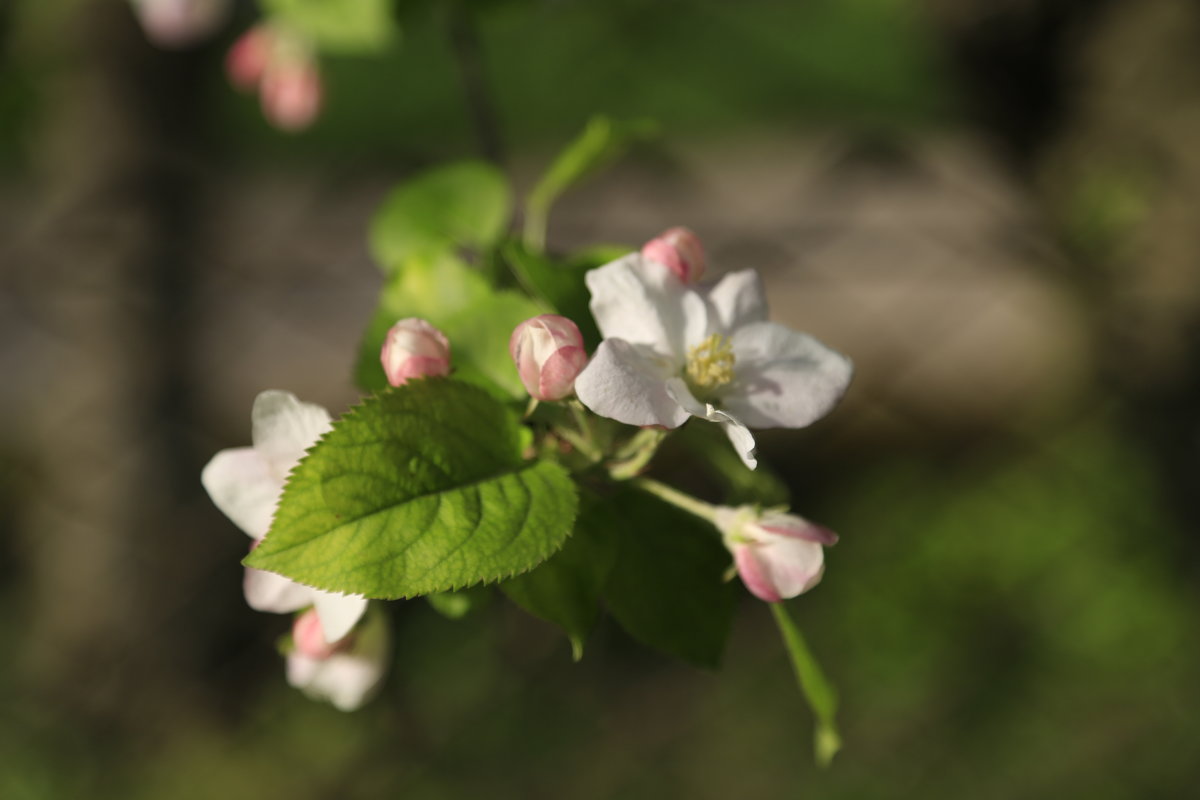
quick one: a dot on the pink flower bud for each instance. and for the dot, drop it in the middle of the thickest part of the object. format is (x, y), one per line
(291, 92)
(548, 351)
(309, 637)
(414, 349)
(777, 555)
(247, 59)
(180, 23)
(680, 251)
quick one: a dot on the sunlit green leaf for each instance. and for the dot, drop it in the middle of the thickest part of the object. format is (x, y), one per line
(463, 205)
(420, 489)
(337, 26)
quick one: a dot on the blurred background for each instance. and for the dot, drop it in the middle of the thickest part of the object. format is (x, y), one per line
(990, 205)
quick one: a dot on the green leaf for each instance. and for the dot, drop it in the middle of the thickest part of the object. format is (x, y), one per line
(708, 445)
(463, 205)
(566, 589)
(337, 26)
(667, 589)
(820, 694)
(560, 287)
(602, 142)
(456, 605)
(420, 489)
(477, 320)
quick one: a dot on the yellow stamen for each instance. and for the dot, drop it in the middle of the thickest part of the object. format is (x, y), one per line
(710, 364)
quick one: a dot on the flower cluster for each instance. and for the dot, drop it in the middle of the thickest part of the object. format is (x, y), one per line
(246, 483)
(282, 67)
(672, 348)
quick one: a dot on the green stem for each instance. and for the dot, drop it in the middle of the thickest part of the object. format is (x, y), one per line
(534, 233)
(580, 443)
(636, 454)
(817, 691)
(675, 497)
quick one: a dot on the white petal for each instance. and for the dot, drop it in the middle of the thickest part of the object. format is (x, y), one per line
(742, 440)
(338, 612)
(268, 591)
(793, 566)
(640, 301)
(241, 484)
(629, 384)
(282, 428)
(739, 434)
(346, 679)
(784, 379)
(739, 299)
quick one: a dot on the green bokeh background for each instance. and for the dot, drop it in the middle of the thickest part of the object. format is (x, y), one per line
(1011, 612)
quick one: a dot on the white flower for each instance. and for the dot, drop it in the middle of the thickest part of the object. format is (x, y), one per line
(345, 673)
(179, 23)
(246, 483)
(777, 555)
(673, 351)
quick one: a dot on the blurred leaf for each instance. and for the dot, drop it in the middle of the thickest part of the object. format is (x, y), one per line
(463, 205)
(667, 588)
(420, 489)
(817, 691)
(477, 320)
(709, 446)
(596, 255)
(560, 287)
(602, 142)
(337, 26)
(566, 589)
(456, 605)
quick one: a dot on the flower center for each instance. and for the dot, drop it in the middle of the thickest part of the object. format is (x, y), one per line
(710, 365)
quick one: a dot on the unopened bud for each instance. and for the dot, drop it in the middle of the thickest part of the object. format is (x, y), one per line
(246, 62)
(679, 250)
(414, 349)
(548, 351)
(291, 92)
(777, 555)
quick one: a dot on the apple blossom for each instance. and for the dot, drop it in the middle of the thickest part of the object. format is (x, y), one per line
(347, 673)
(680, 251)
(777, 555)
(245, 483)
(179, 23)
(672, 351)
(548, 351)
(291, 92)
(248, 57)
(414, 349)
(282, 67)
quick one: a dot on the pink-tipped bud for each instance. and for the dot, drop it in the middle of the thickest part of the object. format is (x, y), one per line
(309, 637)
(291, 92)
(180, 23)
(777, 555)
(680, 251)
(246, 62)
(414, 349)
(548, 351)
